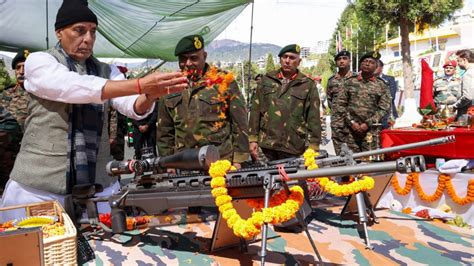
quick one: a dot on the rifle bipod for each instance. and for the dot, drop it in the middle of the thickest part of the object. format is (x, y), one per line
(364, 206)
(268, 182)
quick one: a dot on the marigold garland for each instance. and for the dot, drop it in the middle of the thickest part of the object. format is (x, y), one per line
(252, 226)
(221, 81)
(444, 183)
(364, 184)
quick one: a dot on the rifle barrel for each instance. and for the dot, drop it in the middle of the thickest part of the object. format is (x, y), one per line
(403, 165)
(430, 142)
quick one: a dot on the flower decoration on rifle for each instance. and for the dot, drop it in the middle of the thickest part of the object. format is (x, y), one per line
(340, 190)
(284, 207)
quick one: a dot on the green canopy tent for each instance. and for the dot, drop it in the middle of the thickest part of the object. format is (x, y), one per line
(127, 28)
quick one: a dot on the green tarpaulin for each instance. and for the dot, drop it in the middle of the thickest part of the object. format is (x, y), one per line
(127, 28)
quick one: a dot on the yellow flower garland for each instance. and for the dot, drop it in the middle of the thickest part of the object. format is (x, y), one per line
(332, 187)
(444, 183)
(252, 226)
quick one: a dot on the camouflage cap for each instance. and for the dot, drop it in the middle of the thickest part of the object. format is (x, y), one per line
(342, 53)
(189, 43)
(20, 57)
(292, 48)
(372, 54)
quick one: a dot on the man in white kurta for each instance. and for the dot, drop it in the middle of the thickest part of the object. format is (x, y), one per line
(65, 83)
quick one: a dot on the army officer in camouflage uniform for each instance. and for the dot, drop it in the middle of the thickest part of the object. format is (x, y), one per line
(14, 109)
(15, 98)
(334, 89)
(284, 119)
(365, 101)
(447, 89)
(201, 115)
(10, 137)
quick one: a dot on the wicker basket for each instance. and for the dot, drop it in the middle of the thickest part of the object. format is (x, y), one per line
(57, 250)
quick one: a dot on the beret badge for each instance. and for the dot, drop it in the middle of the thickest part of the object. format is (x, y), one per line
(197, 43)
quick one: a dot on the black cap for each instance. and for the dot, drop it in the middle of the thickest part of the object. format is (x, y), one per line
(342, 53)
(188, 44)
(74, 11)
(292, 48)
(372, 54)
(20, 57)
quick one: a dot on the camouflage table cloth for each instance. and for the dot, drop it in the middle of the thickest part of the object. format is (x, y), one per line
(398, 239)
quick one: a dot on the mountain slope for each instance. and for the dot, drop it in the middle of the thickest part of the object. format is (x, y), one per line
(230, 50)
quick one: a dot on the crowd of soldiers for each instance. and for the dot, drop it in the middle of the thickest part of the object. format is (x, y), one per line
(283, 120)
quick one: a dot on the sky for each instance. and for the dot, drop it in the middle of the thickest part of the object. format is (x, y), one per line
(283, 22)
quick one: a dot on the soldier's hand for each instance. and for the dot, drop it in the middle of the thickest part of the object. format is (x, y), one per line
(158, 84)
(364, 127)
(253, 147)
(171, 171)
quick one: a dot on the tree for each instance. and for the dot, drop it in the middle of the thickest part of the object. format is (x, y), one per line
(408, 14)
(270, 64)
(238, 69)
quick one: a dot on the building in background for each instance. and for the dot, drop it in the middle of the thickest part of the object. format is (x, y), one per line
(435, 45)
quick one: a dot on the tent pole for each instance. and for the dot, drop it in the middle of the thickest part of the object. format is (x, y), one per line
(47, 25)
(249, 76)
(151, 70)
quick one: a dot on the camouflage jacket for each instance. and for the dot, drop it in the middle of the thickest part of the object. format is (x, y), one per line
(7, 121)
(5, 80)
(363, 101)
(199, 116)
(285, 117)
(335, 86)
(446, 91)
(113, 121)
(15, 100)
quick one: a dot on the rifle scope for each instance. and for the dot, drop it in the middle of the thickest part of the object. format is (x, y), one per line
(191, 159)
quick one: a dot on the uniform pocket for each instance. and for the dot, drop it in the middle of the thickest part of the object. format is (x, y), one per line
(268, 94)
(299, 93)
(211, 107)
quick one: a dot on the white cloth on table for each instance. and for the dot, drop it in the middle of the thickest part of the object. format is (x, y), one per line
(453, 166)
(429, 182)
(32, 195)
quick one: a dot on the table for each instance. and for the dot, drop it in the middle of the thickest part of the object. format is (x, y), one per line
(463, 148)
(429, 182)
